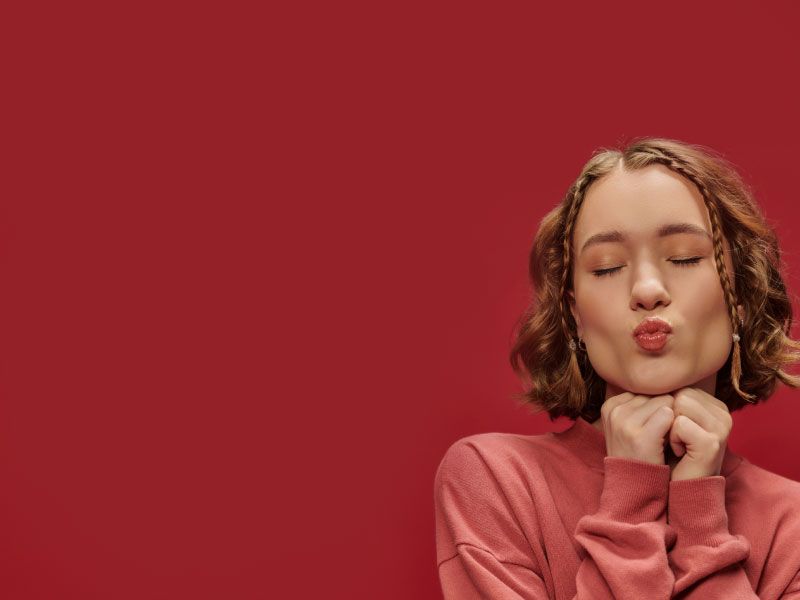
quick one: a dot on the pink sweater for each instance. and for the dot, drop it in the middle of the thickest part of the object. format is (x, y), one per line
(551, 516)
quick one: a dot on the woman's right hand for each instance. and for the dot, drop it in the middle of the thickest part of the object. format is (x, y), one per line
(636, 426)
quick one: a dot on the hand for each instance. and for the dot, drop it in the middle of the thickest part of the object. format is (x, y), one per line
(699, 433)
(635, 426)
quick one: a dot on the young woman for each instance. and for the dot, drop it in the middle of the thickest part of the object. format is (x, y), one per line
(659, 310)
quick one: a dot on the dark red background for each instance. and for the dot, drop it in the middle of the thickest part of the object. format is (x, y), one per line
(260, 266)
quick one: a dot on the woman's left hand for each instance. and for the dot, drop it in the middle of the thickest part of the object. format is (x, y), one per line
(699, 433)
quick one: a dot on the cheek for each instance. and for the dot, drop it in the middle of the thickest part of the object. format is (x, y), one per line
(704, 299)
(706, 320)
(600, 313)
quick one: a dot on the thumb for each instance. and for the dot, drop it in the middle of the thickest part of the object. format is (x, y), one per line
(675, 442)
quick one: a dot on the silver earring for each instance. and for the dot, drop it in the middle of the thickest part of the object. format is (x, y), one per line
(573, 347)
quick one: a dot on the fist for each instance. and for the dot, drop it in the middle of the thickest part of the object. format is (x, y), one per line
(636, 425)
(699, 433)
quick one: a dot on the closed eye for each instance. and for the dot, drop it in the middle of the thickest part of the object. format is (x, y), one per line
(678, 261)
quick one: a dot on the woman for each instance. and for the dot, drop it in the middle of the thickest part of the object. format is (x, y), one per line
(659, 310)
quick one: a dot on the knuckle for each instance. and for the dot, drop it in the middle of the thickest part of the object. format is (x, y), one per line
(612, 410)
(629, 431)
(665, 399)
(713, 443)
(680, 401)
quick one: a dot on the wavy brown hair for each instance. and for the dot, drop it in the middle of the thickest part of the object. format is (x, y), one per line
(562, 381)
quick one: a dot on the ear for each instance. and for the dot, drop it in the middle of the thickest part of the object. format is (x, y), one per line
(740, 310)
(573, 309)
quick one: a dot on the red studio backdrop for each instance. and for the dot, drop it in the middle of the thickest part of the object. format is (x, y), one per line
(260, 265)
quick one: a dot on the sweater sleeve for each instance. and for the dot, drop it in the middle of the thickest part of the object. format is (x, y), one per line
(706, 558)
(475, 574)
(483, 552)
(792, 591)
(626, 539)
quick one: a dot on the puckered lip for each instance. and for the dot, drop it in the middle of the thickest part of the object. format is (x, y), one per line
(652, 325)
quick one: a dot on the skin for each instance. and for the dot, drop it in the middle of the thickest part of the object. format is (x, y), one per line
(664, 397)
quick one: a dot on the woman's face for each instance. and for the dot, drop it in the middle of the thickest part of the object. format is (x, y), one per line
(617, 228)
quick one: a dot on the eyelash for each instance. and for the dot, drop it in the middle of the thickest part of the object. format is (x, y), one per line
(685, 262)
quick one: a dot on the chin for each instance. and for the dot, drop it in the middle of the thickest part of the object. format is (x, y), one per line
(660, 377)
(655, 386)
(654, 390)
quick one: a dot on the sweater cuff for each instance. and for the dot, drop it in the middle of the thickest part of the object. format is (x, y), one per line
(634, 491)
(696, 510)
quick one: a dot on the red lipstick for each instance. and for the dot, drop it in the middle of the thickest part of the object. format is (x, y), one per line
(652, 333)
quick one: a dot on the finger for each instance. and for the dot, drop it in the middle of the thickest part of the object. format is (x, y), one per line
(659, 422)
(714, 406)
(620, 415)
(700, 411)
(678, 447)
(685, 432)
(675, 439)
(641, 413)
(705, 397)
(613, 404)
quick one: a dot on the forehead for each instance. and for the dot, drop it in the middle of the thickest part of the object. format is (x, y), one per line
(638, 203)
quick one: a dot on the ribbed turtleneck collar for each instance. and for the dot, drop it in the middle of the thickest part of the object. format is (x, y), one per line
(589, 443)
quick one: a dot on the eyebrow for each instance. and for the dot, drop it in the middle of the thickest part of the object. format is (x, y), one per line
(665, 230)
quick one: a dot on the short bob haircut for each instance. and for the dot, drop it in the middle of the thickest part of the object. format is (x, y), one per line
(563, 382)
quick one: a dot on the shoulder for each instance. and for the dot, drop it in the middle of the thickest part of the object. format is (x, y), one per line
(775, 494)
(770, 483)
(499, 458)
(486, 444)
(489, 447)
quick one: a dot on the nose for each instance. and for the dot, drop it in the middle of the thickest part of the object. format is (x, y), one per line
(648, 290)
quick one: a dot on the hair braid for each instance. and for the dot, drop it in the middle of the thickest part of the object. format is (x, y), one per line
(578, 193)
(670, 161)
